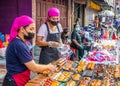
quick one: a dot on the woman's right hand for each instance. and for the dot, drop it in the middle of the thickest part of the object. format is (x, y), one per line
(51, 67)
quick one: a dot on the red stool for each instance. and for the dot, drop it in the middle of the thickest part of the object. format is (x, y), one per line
(74, 51)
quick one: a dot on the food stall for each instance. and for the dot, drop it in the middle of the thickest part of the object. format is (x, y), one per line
(80, 73)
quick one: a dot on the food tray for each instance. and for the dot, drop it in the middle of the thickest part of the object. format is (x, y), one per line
(76, 75)
(64, 76)
(81, 67)
(87, 73)
(70, 66)
(98, 75)
(84, 81)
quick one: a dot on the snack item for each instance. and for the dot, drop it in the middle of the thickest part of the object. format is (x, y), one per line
(64, 76)
(85, 81)
(71, 83)
(81, 66)
(76, 77)
(47, 82)
(91, 66)
(96, 83)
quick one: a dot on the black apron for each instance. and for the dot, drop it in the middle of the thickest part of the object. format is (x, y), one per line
(49, 54)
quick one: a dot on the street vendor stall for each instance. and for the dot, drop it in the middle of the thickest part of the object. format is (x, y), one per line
(83, 73)
(105, 51)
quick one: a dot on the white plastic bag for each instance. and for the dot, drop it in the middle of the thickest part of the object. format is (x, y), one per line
(2, 51)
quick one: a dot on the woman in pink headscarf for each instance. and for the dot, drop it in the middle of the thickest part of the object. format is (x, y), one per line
(19, 61)
(48, 37)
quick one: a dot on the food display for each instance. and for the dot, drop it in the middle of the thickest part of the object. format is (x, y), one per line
(104, 51)
(83, 74)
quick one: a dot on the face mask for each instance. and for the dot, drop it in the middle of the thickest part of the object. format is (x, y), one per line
(54, 23)
(30, 47)
(30, 36)
(66, 37)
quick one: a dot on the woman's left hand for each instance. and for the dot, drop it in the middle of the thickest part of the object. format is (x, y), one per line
(55, 44)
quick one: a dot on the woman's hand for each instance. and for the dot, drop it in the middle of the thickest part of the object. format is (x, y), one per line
(55, 44)
(51, 67)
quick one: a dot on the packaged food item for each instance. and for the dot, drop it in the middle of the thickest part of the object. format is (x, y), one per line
(71, 83)
(64, 76)
(47, 82)
(85, 81)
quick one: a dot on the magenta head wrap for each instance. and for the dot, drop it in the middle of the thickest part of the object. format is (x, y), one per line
(19, 22)
(53, 12)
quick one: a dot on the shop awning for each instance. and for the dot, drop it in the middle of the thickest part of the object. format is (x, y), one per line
(103, 3)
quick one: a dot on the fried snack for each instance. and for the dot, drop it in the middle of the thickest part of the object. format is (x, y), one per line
(81, 67)
(71, 83)
(64, 76)
(91, 66)
(96, 83)
(76, 77)
(118, 83)
(68, 65)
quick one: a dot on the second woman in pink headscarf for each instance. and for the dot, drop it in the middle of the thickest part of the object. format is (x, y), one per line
(48, 37)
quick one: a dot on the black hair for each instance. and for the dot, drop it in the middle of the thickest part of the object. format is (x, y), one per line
(75, 25)
(77, 20)
(65, 31)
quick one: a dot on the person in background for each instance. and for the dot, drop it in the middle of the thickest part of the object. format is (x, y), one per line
(19, 61)
(96, 22)
(77, 21)
(49, 37)
(76, 41)
(85, 38)
(64, 36)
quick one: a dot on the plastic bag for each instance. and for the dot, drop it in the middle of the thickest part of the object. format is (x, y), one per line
(64, 51)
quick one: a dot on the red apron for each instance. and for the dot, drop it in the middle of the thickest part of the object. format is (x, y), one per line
(22, 78)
